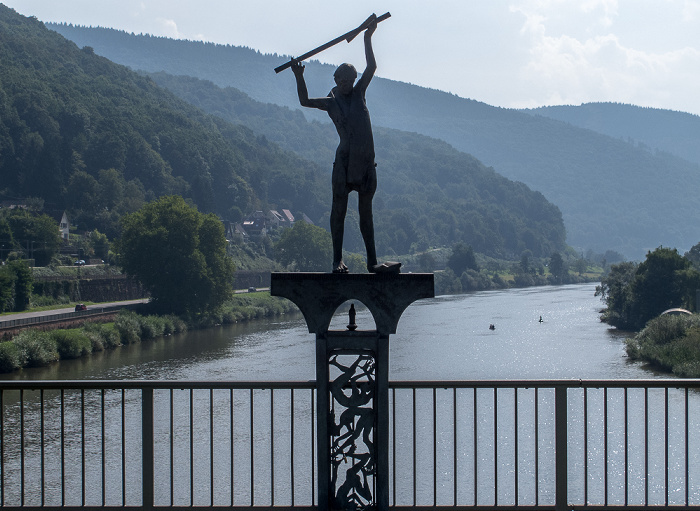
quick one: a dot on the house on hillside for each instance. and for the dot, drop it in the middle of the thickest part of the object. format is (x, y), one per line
(234, 229)
(288, 217)
(275, 219)
(283, 219)
(63, 222)
(256, 224)
(64, 226)
(6, 204)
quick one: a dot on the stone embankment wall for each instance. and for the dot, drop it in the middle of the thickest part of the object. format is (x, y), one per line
(91, 290)
(246, 279)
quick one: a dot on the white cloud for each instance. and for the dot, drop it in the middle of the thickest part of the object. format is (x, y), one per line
(168, 28)
(592, 63)
(691, 10)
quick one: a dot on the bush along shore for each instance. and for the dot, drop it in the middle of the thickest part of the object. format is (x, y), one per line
(670, 343)
(34, 348)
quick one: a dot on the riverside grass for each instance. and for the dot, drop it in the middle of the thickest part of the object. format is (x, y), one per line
(670, 343)
(34, 348)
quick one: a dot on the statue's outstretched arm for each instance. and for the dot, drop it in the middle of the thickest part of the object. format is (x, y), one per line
(304, 100)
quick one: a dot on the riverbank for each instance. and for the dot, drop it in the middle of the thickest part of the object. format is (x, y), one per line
(670, 343)
(34, 348)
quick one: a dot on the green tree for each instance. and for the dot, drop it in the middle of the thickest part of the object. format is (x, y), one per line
(305, 247)
(614, 290)
(6, 241)
(634, 294)
(99, 244)
(525, 258)
(355, 262)
(37, 235)
(462, 259)
(7, 289)
(581, 265)
(663, 281)
(426, 262)
(693, 255)
(22, 284)
(557, 267)
(178, 254)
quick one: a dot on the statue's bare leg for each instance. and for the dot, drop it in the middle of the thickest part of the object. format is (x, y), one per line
(338, 211)
(364, 207)
(367, 230)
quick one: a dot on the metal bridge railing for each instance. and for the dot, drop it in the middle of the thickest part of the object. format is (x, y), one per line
(546, 444)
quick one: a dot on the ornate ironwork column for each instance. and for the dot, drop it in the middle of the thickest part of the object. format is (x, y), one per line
(352, 379)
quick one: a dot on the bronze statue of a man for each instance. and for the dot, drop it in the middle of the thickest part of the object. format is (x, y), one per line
(354, 167)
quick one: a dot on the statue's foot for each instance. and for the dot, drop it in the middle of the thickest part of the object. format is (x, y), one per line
(387, 267)
(339, 267)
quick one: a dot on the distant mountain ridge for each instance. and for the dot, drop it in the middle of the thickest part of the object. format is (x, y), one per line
(612, 194)
(674, 132)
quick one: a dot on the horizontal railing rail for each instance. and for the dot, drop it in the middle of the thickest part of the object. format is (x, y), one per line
(530, 444)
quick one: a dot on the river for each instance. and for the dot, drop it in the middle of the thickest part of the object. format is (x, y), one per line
(446, 337)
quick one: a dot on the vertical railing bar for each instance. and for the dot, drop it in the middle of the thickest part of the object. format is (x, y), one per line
(585, 446)
(626, 450)
(313, 446)
(21, 446)
(82, 442)
(454, 439)
(43, 467)
(515, 438)
(561, 446)
(291, 442)
(123, 410)
(434, 446)
(476, 450)
(537, 446)
(172, 447)
(646, 446)
(666, 433)
(2, 447)
(393, 443)
(272, 447)
(63, 448)
(104, 459)
(414, 449)
(191, 447)
(605, 445)
(252, 450)
(211, 446)
(147, 449)
(687, 452)
(231, 415)
(495, 445)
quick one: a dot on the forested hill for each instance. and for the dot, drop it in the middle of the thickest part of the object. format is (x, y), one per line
(676, 133)
(84, 133)
(612, 193)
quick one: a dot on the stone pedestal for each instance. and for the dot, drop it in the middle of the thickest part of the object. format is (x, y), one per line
(352, 378)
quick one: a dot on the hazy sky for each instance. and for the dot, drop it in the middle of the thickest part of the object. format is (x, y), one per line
(504, 52)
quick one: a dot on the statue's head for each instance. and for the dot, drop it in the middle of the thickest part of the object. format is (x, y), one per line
(345, 77)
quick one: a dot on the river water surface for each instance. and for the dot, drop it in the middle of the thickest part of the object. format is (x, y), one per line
(446, 337)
